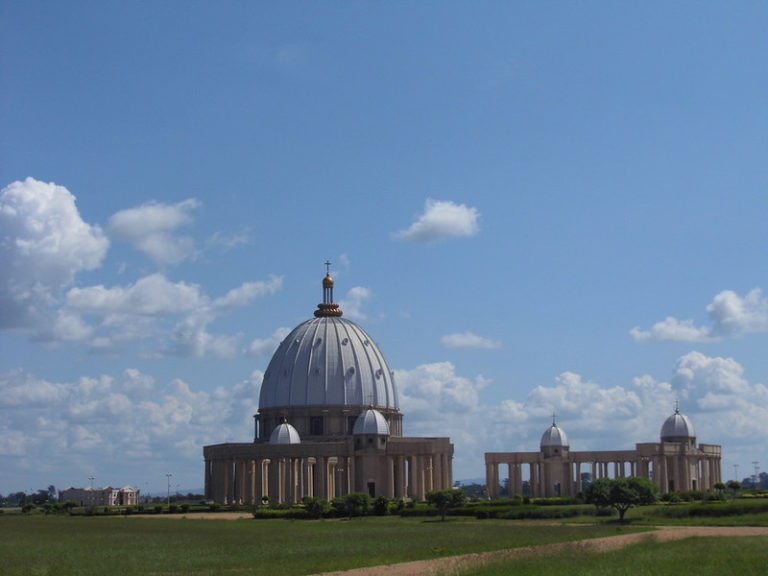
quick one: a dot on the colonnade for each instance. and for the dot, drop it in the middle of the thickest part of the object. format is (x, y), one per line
(563, 476)
(288, 479)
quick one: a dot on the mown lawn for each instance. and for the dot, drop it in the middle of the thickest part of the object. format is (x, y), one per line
(699, 556)
(83, 546)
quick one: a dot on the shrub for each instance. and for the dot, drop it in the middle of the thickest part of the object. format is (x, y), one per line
(353, 504)
(315, 507)
(381, 506)
(285, 513)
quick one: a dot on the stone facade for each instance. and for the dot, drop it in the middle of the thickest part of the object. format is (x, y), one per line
(285, 473)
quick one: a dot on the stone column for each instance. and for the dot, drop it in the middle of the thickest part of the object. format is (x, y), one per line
(402, 477)
(414, 485)
(208, 487)
(258, 480)
(349, 477)
(492, 479)
(239, 484)
(249, 498)
(321, 475)
(276, 480)
(389, 477)
(437, 473)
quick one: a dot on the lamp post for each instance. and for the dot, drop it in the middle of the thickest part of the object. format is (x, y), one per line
(91, 478)
(168, 477)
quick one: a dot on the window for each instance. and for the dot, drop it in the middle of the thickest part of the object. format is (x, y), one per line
(316, 426)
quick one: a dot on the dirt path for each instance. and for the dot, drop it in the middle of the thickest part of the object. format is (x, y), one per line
(452, 564)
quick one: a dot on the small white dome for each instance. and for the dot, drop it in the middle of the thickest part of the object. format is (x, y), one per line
(554, 436)
(371, 422)
(677, 427)
(285, 434)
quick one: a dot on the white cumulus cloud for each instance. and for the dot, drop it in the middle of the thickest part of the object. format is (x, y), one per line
(469, 340)
(44, 244)
(442, 219)
(134, 311)
(265, 347)
(247, 292)
(152, 227)
(733, 314)
(352, 304)
(152, 295)
(730, 315)
(121, 429)
(672, 330)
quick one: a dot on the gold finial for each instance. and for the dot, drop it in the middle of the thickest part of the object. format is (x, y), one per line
(328, 307)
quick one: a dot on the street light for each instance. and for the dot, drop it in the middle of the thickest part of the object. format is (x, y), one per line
(169, 476)
(91, 478)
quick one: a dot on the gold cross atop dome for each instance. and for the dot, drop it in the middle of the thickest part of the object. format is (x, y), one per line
(328, 308)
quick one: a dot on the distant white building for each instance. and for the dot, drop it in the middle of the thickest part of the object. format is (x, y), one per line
(125, 496)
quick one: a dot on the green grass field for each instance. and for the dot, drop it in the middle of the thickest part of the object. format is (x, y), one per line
(66, 546)
(82, 546)
(699, 556)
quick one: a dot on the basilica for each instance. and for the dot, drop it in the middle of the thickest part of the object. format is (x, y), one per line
(328, 424)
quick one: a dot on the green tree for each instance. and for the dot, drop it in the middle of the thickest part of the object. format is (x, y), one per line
(621, 494)
(445, 499)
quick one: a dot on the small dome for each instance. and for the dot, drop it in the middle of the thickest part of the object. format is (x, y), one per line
(285, 434)
(554, 436)
(677, 427)
(371, 422)
(328, 281)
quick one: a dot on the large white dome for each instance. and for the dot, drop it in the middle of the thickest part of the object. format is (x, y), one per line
(328, 361)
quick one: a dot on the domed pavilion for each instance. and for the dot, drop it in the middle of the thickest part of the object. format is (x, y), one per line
(328, 424)
(675, 463)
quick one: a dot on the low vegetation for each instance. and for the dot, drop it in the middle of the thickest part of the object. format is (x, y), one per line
(128, 546)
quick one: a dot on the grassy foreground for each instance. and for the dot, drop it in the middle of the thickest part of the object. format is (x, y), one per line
(700, 556)
(83, 546)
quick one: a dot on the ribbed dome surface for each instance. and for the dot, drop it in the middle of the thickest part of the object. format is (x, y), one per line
(554, 436)
(285, 434)
(371, 422)
(328, 361)
(676, 427)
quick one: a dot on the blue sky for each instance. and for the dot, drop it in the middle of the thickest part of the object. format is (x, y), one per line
(533, 208)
